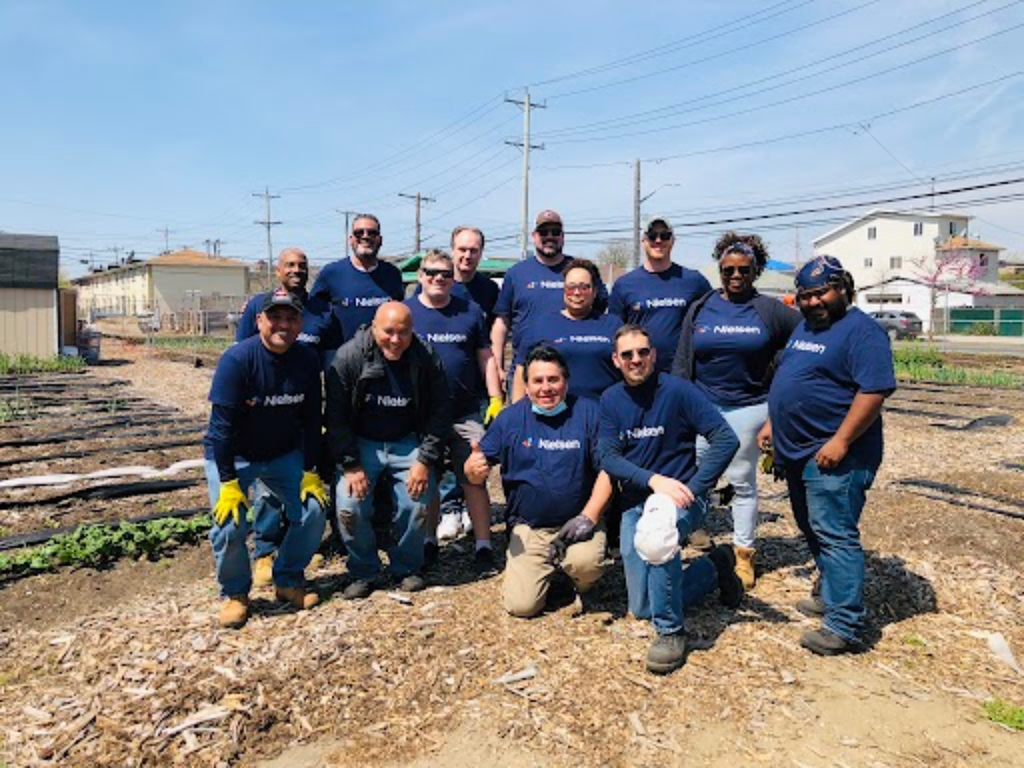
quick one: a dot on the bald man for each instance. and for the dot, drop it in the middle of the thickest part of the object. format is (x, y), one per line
(389, 414)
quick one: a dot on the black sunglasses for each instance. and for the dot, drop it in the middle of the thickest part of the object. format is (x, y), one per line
(447, 274)
(743, 269)
(550, 232)
(662, 235)
(361, 233)
(642, 354)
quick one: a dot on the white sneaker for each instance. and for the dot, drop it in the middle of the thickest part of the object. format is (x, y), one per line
(450, 526)
(467, 523)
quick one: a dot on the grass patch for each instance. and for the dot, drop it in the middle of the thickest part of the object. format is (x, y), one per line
(190, 343)
(12, 364)
(98, 545)
(1004, 713)
(928, 365)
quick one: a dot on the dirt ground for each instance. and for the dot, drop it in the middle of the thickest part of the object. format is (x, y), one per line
(126, 666)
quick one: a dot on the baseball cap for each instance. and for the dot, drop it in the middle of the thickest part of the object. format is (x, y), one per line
(282, 298)
(548, 217)
(657, 537)
(658, 220)
(819, 272)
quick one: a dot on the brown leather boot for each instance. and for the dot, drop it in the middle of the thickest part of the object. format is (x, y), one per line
(234, 612)
(297, 597)
(263, 571)
(745, 566)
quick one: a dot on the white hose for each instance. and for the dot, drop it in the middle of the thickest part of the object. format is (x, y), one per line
(103, 474)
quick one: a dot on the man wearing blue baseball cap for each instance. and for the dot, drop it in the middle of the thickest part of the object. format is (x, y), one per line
(825, 425)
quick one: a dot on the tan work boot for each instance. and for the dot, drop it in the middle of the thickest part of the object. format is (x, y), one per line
(263, 571)
(297, 597)
(234, 612)
(745, 566)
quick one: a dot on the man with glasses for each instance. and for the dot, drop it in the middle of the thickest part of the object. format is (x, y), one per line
(457, 330)
(825, 425)
(656, 294)
(389, 415)
(533, 290)
(649, 426)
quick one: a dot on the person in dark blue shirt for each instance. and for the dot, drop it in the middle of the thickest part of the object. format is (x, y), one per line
(555, 492)
(321, 331)
(583, 337)
(467, 251)
(265, 425)
(728, 347)
(649, 426)
(825, 427)
(657, 294)
(457, 331)
(532, 291)
(356, 286)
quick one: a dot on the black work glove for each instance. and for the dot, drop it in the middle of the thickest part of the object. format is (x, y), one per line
(579, 528)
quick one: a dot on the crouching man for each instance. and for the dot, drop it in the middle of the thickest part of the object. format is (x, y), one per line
(265, 424)
(546, 445)
(389, 415)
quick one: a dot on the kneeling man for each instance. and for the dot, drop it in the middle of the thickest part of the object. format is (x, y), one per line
(546, 445)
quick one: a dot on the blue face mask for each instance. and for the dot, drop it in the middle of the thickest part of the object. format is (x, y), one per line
(549, 411)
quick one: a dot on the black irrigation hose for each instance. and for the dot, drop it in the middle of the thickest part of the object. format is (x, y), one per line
(41, 537)
(954, 490)
(145, 448)
(87, 433)
(105, 492)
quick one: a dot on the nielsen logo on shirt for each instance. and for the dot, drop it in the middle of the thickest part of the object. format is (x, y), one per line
(308, 338)
(668, 302)
(446, 338)
(736, 329)
(559, 445)
(807, 346)
(590, 339)
(364, 301)
(559, 284)
(642, 433)
(390, 401)
(273, 400)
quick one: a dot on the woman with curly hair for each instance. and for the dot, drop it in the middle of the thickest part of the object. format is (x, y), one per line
(728, 348)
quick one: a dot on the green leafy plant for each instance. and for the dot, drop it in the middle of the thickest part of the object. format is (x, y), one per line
(98, 545)
(1004, 713)
(11, 364)
(982, 329)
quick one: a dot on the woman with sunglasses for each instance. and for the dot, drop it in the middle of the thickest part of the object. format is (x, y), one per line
(728, 348)
(584, 336)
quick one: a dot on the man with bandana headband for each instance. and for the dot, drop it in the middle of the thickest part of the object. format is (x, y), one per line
(825, 425)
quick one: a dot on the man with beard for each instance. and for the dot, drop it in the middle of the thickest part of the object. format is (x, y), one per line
(825, 425)
(533, 291)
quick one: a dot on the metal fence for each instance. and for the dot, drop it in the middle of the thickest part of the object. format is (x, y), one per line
(979, 321)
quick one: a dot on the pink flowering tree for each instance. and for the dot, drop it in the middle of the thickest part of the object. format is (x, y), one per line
(952, 268)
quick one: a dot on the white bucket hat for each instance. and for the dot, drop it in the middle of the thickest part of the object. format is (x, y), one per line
(657, 537)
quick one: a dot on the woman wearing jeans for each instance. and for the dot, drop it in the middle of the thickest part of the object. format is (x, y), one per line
(728, 346)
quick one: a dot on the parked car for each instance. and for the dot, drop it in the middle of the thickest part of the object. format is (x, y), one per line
(899, 325)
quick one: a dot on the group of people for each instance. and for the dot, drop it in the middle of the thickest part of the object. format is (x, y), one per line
(612, 420)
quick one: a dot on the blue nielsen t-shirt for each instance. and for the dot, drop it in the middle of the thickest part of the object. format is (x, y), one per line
(480, 290)
(548, 463)
(657, 301)
(387, 411)
(587, 347)
(354, 295)
(656, 425)
(531, 293)
(731, 349)
(457, 332)
(819, 374)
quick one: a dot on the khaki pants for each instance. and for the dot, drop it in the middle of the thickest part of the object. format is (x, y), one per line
(528, 572)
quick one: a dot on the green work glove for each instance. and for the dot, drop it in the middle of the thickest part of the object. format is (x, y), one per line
(493, 409)
(230, 503)
(312, 485)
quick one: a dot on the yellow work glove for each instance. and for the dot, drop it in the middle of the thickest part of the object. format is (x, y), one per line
(493, 409)
(230, 503)
(312, 485)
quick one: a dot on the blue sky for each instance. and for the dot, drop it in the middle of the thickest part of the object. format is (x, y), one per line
(123, 118)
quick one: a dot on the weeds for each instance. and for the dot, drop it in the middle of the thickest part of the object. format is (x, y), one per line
(98, 545)
(1004, 713)
(927, 364)
(28, 364)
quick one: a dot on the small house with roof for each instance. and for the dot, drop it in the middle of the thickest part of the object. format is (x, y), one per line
(29, 295)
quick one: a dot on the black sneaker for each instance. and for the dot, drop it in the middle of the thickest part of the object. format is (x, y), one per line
(483, 563)
(825, 642)
(413, 583)
(666, 654)
(730, 587)
(359, 589)
(431, 553)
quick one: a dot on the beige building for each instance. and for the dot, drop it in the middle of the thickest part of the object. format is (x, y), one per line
(164, 286)
(29, 306)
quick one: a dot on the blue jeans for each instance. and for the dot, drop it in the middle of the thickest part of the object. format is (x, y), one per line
(663, 592)
(356, 516)
(301, 539)
(827, 505)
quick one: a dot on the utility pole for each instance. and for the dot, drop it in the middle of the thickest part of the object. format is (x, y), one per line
(167, 238)
(116, 250)
(348, 214)
(268, 223)
(636, 214)
(526, 106)
(419, 200)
